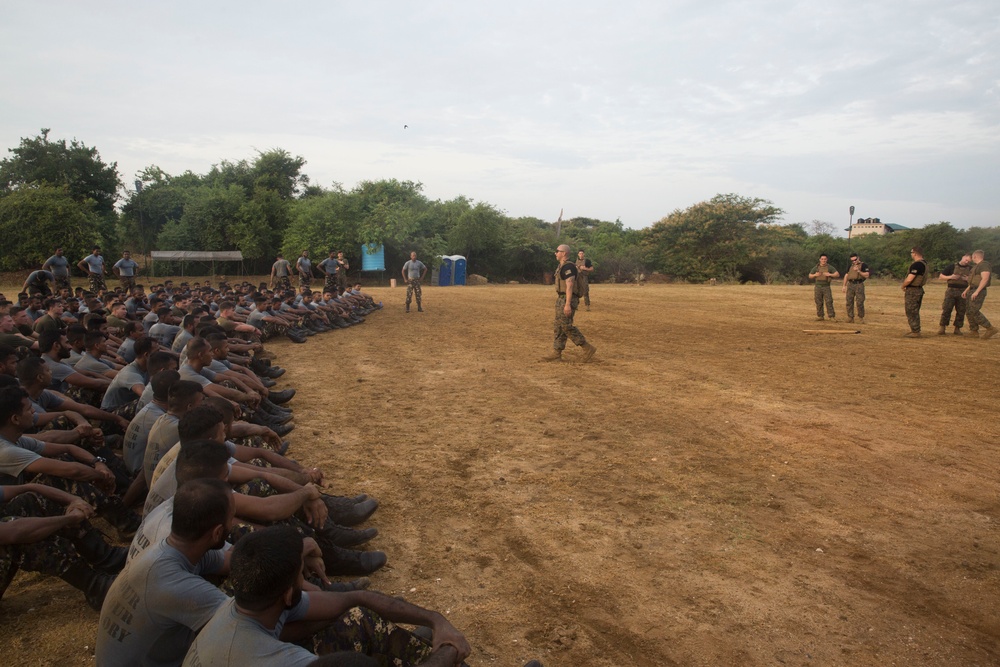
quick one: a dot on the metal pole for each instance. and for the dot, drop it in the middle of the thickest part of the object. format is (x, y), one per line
(850, 228)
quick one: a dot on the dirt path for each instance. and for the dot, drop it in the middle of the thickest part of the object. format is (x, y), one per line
(716, 488)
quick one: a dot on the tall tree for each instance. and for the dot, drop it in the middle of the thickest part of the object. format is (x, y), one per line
(717, 238)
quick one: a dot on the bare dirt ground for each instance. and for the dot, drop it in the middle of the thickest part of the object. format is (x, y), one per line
(716, 488)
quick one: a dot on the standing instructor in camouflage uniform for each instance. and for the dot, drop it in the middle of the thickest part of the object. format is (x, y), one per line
(982, 276)
(854, 287)
(823, 273)
(585, 267)
(957, 276)
(913, 291)
(413, 273)
(567, 300)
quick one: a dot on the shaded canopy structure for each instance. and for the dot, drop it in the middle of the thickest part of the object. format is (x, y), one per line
(195, 261)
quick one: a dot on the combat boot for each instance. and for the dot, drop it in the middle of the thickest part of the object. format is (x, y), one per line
(861, 320)
(349, 511)
(359, 584)
(347, 537)
(349, 562)
(94, 584)
(912, 334)
(556, 355)
(407, 307)
(588, 352)
(420, 308)
(990, 333)
(958, 331)
(850, 320)
(974, 333)
(90, 544)
(941, 331)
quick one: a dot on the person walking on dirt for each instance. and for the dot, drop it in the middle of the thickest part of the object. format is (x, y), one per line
(413, 273)
(567, 300)
(585, 267)
(823, 273)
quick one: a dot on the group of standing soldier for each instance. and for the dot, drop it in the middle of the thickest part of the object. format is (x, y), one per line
(965, 293)
(55, 271)
(333, 269)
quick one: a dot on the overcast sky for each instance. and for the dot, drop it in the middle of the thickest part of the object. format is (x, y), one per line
(605, 109)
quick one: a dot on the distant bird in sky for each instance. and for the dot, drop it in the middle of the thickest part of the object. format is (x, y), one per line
(405, 126)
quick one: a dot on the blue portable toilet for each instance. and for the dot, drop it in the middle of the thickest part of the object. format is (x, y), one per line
(445, 275)
(458, 269)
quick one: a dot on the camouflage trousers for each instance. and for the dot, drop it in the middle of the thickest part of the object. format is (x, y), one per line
(361, 630)
(855, 295)
(97, 283)
(330, 284)
(823, 294)
(413, 289)
(92, 397)
(564, 327)
(585, 288)
(282, 281)
(272, 330)
(127, 283)
(913, 297)
(53, 555)
(953, 299)
(62, 282)
(305, 280)
(974, 311)
(342, 284)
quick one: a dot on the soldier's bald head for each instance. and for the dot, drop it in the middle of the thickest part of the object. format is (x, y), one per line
(563, 248)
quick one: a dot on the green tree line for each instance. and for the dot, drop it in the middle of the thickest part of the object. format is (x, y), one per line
(58, 192)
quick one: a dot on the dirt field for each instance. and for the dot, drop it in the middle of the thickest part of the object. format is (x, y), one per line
(716, 488)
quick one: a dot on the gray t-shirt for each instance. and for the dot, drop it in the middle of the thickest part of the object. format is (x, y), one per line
(233, 639)
(137, 434)
(59, 266)
(413, 268)
(89, 362)
(162, 436)
(60, 372)
(119, 392)
(155, 607)
(187, 372)
(126, 267)
(95, 263)
(127, 350)
(164, 333)
(281, 268)
(147, 396)
(304, 265)
(181, 340)
(16, 456)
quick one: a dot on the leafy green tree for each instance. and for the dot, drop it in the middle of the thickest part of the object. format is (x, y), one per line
(717, 238)
(78, 168)
(75, 166)
(53, 217)
(322, 223)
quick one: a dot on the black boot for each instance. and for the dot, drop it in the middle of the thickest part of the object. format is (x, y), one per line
(94, 584)
(347, 537)
(349, 562)
(347, 512)
(280, 397)
(359, 584)
(90, 543)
